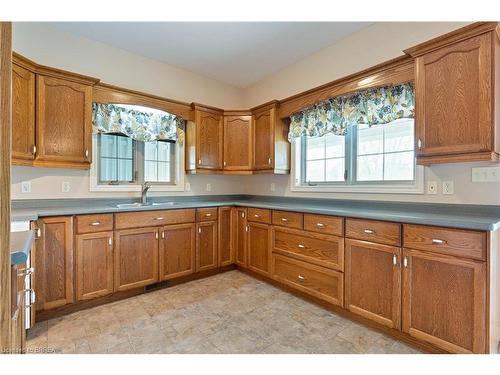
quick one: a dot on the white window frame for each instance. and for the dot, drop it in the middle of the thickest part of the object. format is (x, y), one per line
(178, 185)
(386, 187)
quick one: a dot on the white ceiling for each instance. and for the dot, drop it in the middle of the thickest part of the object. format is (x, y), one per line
(237, 53)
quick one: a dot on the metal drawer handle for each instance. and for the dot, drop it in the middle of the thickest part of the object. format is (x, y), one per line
(395, 260)
(301, 246)
(208, 215)
(321, 225)
(159, 218)
(405, 262)
(284, 219)
(438, 241)
(300, 277)
(95, 223)
(369, 231)
(256, 215)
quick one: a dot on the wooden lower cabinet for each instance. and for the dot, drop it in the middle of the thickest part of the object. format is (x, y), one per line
(206, 246)
(18, 331)
(177, 250)
(136, 258)
(54, 263)
(444, 301)
(240, 236)
(259, 248)
(94, 265)
(373, 281)
(226, 247)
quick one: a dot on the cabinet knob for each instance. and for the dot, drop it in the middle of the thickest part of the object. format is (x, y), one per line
(395, 259)
(159, 218)
(284, 219)
(38, 232)
(369, 231)
(87, 153)
(300, 277)
(208, 215)
(321, 225)
(110, 241)
(95, 223)
(225, 164)
(301, 246)
(269, 161)
(199, 230)
(437, 241)
(156, 235)
(419, 144)
(199, 161)
(405, 262)
(163, 234)
(256, 215)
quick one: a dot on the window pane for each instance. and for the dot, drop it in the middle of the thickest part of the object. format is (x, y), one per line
(124, 147)
(399, 135)
(125, 170)
(399, 166)
(370, 140)
(164, 151)
(163, 172)
(335, 169)
(335, 146)
(370, 168)
(108, 169)
(315, 171)
(150, 150)
(108, 145)
(315, 148)
(150, 171)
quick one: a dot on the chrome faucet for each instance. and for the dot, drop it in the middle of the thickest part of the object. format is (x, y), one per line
(145, 189)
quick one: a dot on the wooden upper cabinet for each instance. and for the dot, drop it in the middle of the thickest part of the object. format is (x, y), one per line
(54, 263)
(206, 246)
(455, 90)
(444, 301)
(209, 133)
(177, 250)
(63, 123)
(23, 115)
(238, 145)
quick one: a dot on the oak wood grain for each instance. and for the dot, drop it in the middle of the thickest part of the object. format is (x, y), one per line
(259, 247)
(124, 220)
(326, 224)
(383, 232)
(238, 143)
(206, 246)
(226, 236)
(259, 215)
(206, 214)
(177, 250)
(240, 236)
(288, 219)
(93, 223)
(209, 140)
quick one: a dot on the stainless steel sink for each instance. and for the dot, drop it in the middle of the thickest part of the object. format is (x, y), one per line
(165, 203)
(138, 204)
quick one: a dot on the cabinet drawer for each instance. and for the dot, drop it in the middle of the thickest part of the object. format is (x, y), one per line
(153, 218)
(374, 231)
(458, 242)
(288, 219)
(324, 224)
(206, 214)
(320, 249)
(259, 215)
(94, 223)
(317, 281)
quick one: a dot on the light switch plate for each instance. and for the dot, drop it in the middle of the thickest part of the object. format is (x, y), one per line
(432, 187)
(26, 187)
(448, 187)
(65, 187)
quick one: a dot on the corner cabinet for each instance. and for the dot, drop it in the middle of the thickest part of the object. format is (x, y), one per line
(238, 144)
(456, 87)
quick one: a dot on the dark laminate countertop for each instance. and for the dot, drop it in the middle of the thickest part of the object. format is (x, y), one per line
(477, 217)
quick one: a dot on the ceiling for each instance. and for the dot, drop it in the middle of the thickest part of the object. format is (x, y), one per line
(237, 53)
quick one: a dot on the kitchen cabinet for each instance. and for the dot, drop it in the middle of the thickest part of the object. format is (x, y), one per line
(23, 115)
(271, 149)
(18, 331)
(206, 246)
(54, 263)
(455, 86)
(63, 123)
(373, 281)
(444, 301)
(238, 143)
(225, 229)
(240, 236)
(136, 258)
(94, 265)
(259, 248)
(177, 250)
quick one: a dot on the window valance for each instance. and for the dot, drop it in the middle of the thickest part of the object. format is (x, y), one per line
(144, 124)
(373, 106)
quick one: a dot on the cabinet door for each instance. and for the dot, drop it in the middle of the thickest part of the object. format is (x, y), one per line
(238, 145)
(23, 115)
(373, 281)
(18, 331)
(54, 263)
(206, 246)
(263, 140)
(94, 265)
(240, 236)
(444, 301)
(63, 123)
(454, 98)
(209, 133)
(259, 248)
(177, 250)
(226, 253)
(136, 258)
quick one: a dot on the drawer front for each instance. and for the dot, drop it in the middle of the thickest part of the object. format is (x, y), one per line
(317, 281)
(324, 224)
(288, 219)
(93, 223)
(458, 242)
(320, 249)
(374, 231)
(206, 214)
(259, 215)
(153, 218)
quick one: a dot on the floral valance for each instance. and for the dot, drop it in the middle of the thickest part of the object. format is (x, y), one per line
(373, 106)
(142, 125)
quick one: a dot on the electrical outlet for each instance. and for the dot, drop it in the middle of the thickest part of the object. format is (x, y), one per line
(65, 187)
(432, 187)
(486, 174)
(448, 187)
(188, 186)
(209, 187)
(26, 187)
(273, 186)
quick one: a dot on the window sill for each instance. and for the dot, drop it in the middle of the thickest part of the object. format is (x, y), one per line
(134, 188)
(375, 189)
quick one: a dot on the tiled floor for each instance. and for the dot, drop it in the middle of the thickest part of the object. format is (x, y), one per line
(227, 313)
